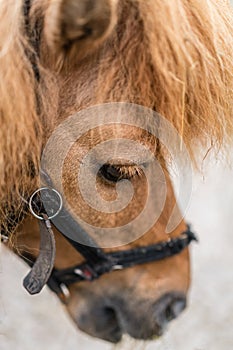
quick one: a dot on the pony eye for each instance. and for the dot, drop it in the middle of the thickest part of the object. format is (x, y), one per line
(111, 173)
(115, 173)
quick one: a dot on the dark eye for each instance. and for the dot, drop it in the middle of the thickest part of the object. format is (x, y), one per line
(111, 173)
(115, 173)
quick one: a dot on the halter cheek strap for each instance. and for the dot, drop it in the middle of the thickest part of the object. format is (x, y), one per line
(43, 266)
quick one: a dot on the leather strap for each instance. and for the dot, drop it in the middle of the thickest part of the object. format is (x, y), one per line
(118, 261)
(97, 262)
(43, 266)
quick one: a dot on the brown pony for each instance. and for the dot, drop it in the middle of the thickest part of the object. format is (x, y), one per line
(58, 57)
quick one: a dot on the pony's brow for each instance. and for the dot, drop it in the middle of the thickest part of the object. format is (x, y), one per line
(129, 157)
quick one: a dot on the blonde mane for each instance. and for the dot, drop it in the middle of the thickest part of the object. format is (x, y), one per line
(173, 56)
(183, 51)
(20, 129)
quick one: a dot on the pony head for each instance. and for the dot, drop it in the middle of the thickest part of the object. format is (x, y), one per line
(59, 58)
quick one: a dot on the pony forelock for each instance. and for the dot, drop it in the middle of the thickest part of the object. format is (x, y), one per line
(175, 57)
(183, 51)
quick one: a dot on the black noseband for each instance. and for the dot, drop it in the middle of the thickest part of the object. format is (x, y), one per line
(97, 262)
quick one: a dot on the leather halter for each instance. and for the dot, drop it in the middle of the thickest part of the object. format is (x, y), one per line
(97, 262)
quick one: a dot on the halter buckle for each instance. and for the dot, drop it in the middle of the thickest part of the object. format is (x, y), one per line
(117, 267)
(33, 198)
(86, 272)
(65, 291)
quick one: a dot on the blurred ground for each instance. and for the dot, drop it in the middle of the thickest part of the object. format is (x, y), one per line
(40, 322)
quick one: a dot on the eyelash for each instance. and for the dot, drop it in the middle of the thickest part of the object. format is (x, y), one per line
(115, 173)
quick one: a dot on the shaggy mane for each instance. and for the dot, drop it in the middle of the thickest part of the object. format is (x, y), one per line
(20, 129)
(173, 56)
(177, 58)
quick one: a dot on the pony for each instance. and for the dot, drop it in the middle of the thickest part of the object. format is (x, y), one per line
(60, 57)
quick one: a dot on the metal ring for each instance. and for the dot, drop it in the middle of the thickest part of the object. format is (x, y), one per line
(42, 189)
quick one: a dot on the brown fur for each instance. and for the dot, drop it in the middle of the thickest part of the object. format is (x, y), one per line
(175, 57)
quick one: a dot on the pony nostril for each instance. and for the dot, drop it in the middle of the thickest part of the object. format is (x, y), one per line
(100, 322)
(168, 308)
(174, 309)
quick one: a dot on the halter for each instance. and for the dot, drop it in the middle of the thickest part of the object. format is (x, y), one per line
(97, 262)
